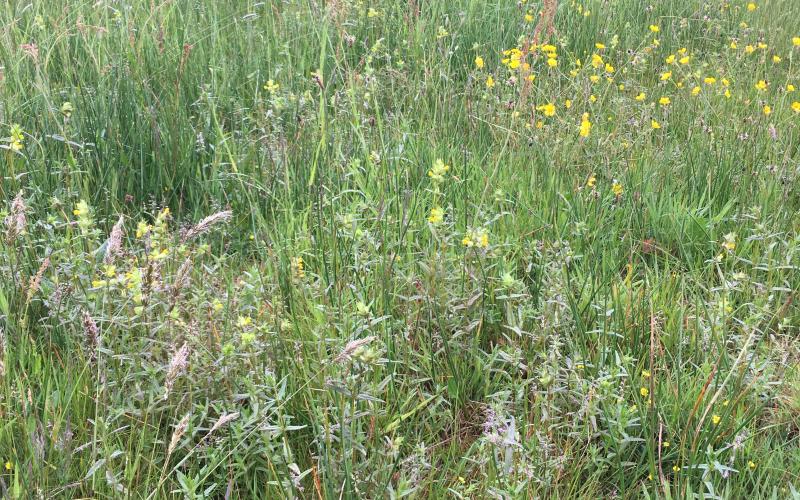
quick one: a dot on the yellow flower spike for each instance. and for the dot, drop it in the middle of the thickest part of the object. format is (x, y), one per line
(586, 125)
(436, 216)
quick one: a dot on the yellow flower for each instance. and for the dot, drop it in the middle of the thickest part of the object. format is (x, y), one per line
(66, 109)
(438, 171)
(666, 75)
(684, 60)
(761, 85)
(567, 104)
(733, 45)
(586, 125)
(675, 468)
(751, 7)
(664, 101)
(709, 80)
(271, 86)
(609, 68)
(670, 59)
(547, 109)
(730, 242)
(17, 137)
(665, 444)
(796, 107)
(715, 419)
(646, 373)
(441, 32)
(591, 182)
(752, 465)
(696, 90)
(654, 28)
(749, 49)
(552, 62)
(655, 125)
(597, 61)
(592, 98)
(767, 109)
(594, 78)
(641, 96)
(790, 88)
(436, 216)
(478, 238)
(298, 267)
(600, 45)
(776, 59)
(244, 321)
(9, 465)
(796, 41)
(644, 391)
(617, 189)
(489, 82)
(528, 18)
(479, 62)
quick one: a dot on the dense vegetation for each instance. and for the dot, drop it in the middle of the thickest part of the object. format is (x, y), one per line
(429, 249)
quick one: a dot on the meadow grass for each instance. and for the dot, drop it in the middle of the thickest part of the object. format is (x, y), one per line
(347, 249)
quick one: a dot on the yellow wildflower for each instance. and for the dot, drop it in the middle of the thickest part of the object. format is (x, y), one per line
(436, 216)
(547, 109)
(438, 171)
(586, 125)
